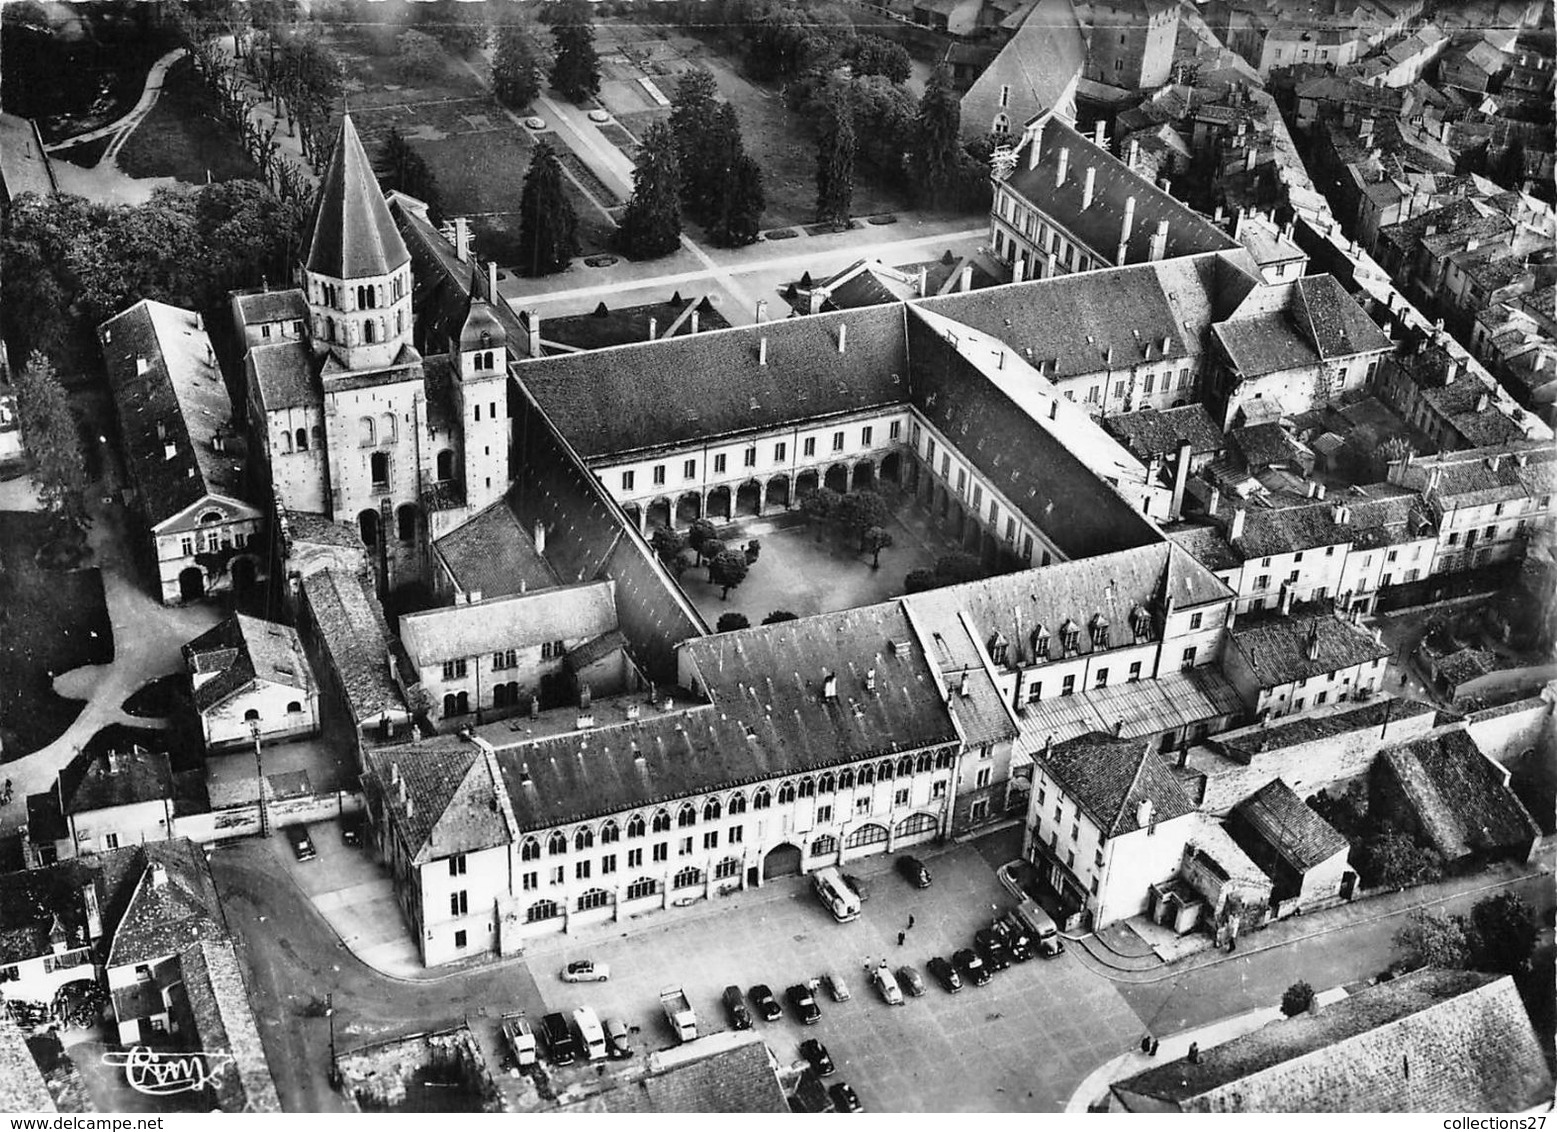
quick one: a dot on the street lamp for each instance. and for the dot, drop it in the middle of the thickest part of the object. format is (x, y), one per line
(259, 772)
(329, 1012)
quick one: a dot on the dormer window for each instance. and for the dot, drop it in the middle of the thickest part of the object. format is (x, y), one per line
(1070, 638)
(1099, 632)
(1141, 623)
(1040, 643)
(998, 648)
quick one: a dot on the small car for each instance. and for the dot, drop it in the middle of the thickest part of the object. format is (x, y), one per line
(351, 831)
(762, 998)
(1016, 939)
(914, 872)
(886, 983)
(945, 974)
(816, 1053)
(845, 1099)
(618, 1047)
(836, 987)
(585, 971)
(735, 1007)
(991, 950)
(971, 967)
(301, 843)
(804, 1002)
(911, 980)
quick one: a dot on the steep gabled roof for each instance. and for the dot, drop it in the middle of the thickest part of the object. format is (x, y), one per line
(91, 782)
(1109, 778)
(1278, 817)
(352, 235)
(174, 904)
(453, 632)
(1459, 797)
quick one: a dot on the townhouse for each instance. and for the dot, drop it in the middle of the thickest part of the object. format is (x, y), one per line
(1287, 665)
(252, 681)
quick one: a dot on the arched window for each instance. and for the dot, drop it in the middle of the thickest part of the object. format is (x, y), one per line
(1001, 126)
(251, 716)
(687, 878)
(294, 707)
(610, 833)
(923, 763)
(362, 297)
(366, 432)
(867, 775)
(786, 793)
(866, 835)
(945, 760)
(542, 910)
(451, 704)
(318, 431)
(807, 787)
(286, 442)
(302, 440)
(824, 845)
(884, 771)
(846, 779)
(727, 868)
(557, 843)
(367, 330)
(445, 465)
(594, 898)
(761, 800)
(530, 850)
(635, 826)
(378, 466)
(905, 766)
(367, 526)
(737, 804)
(386, 434)
(661, 821)
(711, 810)
(643, 886)
(827, 784)
(687, 816)
(583, 839)
(500, 695)
(462, 703)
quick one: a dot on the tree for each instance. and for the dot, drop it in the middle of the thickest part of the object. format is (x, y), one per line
(406, 170)
(938, 142)
(821, 505)
(883, 115)
(693, 107)
(835, 170)
(548, 229)
(701, 533)
(418, 55)
(1504, 935)
(712, 549)
(733, 215)
(668, 543)
(730, 622)
(1392, 859)
(576, 71)
(651, 226)
(51, 438)
(1431, 939)
(1296, 999)
(917, 581)
(462, 28)
(860, 511)
(779, 615)
(873, 542)
(727, 570)
(518, 66)
(952, 569)
(873, 55)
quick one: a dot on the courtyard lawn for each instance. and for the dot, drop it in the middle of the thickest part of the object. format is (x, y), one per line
(184, 136)
(50, 622)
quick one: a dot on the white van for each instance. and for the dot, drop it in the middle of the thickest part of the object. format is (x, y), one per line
(833, 891)
(590, 1033)
(1046, 935)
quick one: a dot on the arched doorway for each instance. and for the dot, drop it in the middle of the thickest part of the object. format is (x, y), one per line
(959, 521)
(191, 583)
(445, 465)
(805, 484)
(864, 475)
(838, 478)
(718, 504)
(892, 467)
(942, 506)
(748, 498)
(245, 572)
(689, 508)
(659, 513)
(989, 551)
(778, 491)
(781, 861)
(367, 526)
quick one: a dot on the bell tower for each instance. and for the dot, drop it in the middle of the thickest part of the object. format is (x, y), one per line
(481, 392)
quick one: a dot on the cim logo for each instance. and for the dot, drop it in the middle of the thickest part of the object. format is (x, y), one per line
(161, 1074)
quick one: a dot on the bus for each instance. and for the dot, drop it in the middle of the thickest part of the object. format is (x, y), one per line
(835, 894)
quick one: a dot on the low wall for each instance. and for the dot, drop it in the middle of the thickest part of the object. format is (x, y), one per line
(1505, 732)
(231, 822)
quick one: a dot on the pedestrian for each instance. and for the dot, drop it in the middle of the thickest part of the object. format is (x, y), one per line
(1232, 943)
(910, 922)
(901, 936)
(1153, 1051)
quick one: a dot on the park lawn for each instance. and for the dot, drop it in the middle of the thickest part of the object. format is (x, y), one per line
(373, 77)
(47, 622)
(184, 137)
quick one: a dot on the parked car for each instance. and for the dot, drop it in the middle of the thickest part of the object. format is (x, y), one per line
(618, 1046)
(945, 974)
(911, 980)
(816, 1053)
(735, 1007)
(561, 1046)
(971, 967)
(302, 844)
(886, 983)
(991, 950)
(585, 971)
(836, 987)
(804, 1002)
(845, 1099)
(762, 998)
(1011, 932)
(914, 872)
(351, 830)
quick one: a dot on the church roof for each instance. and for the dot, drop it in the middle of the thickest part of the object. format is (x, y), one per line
(353, 235)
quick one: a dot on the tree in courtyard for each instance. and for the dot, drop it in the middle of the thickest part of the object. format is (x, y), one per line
(727, 570)
(405, 170)
(668, 543)
(859, 511)
(52, 441)
(418, 55)
(1504, 934)
(576, 70)
(779, 615)
(651, 226)
(519, 66)
(701, 533)
(938, 144)
(1296, 999)
(548, 229)
(1431, 939)
(835, 169)
(712, 549)
(952, 569)
(883, 116)
(873, 542)
(873, 55)
(693, 106)
(729, 622)
(820, 506)
(1393, 859)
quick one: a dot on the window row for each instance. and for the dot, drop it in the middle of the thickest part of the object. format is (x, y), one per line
(658, 474)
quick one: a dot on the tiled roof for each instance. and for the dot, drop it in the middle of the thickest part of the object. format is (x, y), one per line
(652, 395)
(1332, 320)
(493, 555)
(1264, 344)
(1139, 708)
(1459, 797)
(318, 530)
(1277, 735)
(1466, 478)
(1099, 225)
(595, 650)
(1464, 1036)
(1265, 444)
(22, 1088)
(1278, 817)
(1207, 546)
(174, 904)
(972, 695)
(89, 782)
(1109, 778)
(736, 1079)
(1277, 647)
(243, 649)
(1159, 432)
(355, 639)
(352, 235)
(1387, 514)
(454, 632)
(284, 373)
(1481, 423)
(271, 306)
(218, 1002)
(179, 401)
(451, 801)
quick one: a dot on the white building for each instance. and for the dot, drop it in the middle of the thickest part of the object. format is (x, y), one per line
(252, 680)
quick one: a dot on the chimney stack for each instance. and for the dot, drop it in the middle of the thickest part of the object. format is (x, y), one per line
(1483, 399)
(532, 325)
(843, 336)
(762, 350)
(654, 329)
(1059, 177)
(1313, 641)
(693, 323)
(829, 686)
(762, 311)
(1128, 226)
(1134, 154)
(1099, 138)
(142, 364)
(462, 239)
(1087, 187)
(159, 876)
(1180, 480)
(1143, 811)
(1159, 243)
(966, 283)
(1235, 528)
(924, 281)
(538, 533)
(1214, 502)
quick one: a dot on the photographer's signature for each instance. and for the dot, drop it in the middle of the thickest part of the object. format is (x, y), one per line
(159, 1073)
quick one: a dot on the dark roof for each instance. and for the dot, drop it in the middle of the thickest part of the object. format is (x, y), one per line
(22, 1087)
(1110, 778)
(218, 1003)
(1206, 545)
(1464, 1035)
(493, 555)
(442, 289)
(452, 803)
(1159, 432)
(284, 372)
(1332, 320)
(738, 1079)
(271, 306)
(651, 395)
(1482, 424)
(1277, 647)
(319, 530)
(122, 778)
(1277, 735)
(352, 235)
(180, 400)
(1387, 514)
(451, 632)
(595, 650)
(1277, 816)
(1264, 343)
(243, 649)
(1263, 445)
(173, 904)
(1467, 478)
(355, 639)
(1459, 796)
(1099, 226)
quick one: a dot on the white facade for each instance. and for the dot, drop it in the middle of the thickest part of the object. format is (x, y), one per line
(199, 549)
(281, 711)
